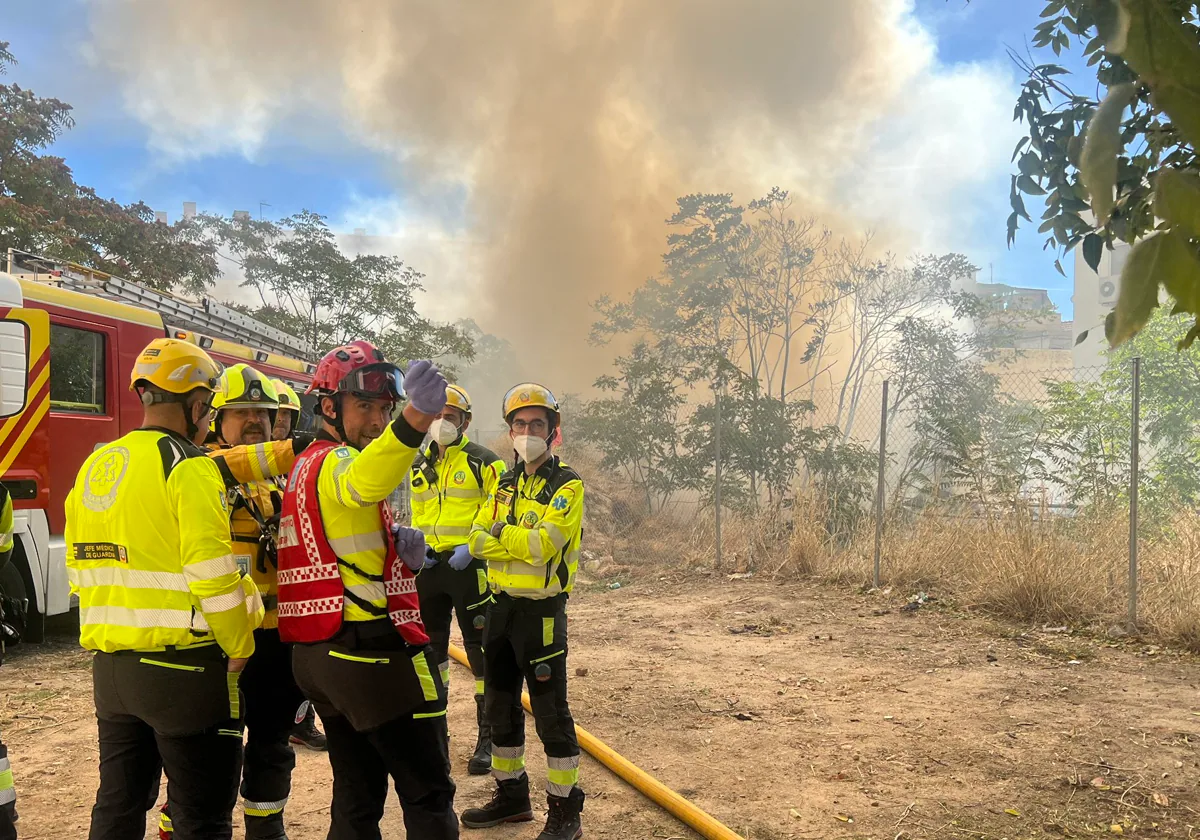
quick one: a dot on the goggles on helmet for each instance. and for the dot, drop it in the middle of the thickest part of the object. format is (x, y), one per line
(382, 380)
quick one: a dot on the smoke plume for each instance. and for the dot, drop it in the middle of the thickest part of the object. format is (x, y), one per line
(548, 141)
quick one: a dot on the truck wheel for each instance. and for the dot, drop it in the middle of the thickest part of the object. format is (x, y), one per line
(17, 583)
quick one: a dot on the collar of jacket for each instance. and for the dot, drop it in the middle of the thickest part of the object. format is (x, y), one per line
(544, 471)
(435, 448)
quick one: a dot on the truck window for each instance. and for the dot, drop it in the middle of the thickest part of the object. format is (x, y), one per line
(77, 367)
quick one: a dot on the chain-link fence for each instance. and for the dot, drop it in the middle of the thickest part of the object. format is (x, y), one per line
(1013, 487)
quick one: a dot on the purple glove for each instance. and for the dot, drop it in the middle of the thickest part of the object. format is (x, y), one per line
(460, 559)
(410, 546)
(425, 387)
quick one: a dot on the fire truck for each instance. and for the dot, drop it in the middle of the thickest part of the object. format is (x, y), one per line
(69, 336)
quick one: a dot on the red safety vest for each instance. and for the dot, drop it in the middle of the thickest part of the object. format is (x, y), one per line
(311, 592)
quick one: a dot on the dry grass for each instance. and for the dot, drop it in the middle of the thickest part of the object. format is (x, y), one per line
(1057, 571)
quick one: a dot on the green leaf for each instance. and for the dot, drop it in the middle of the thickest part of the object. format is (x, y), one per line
(1020, 145)
(1018, 205)
(1181, 271)
(1148, 266)
(1192, 335)
(1082, 337)
(1110, 325)
(1031, 165)
(1165, 55)
(1029, 186)
(1102, 144)
(1093, 249)
(1012, 229)
(1177, 199)
(1058, 267)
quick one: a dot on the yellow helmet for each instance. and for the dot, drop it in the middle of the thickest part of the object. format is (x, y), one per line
(530, 394)
(241, 386)
(288, 401)
(175, 366)
(456, 397)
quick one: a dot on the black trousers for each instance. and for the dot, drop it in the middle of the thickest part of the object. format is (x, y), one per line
(442, 590)
(525, 641)
(8, 803)
(273, 703)
(384, 711)
(178, 711)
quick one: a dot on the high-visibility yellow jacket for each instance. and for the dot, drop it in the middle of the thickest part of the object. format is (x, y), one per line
(148, 550)
(448, 488)
(349, 489)
(537, 553)
(6, 525)
(251, 505)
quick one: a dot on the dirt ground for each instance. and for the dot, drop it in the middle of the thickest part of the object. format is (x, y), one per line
(785, 710)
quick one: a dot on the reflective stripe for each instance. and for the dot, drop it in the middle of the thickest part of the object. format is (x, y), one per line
(534, 539)
(232, 733)
(482, 575)
(424, 715)
(8, 794)
(260, 454)
(557, 538)
(554, 655)
(478, 687)
(444, 668)
(221, 603)
(372, 591)
(235, 699)
(421, 666)
(6, 779)
(423, 495)
(562, 774)
(487, 600)
(452, 530)
(508, 762)
(547, 631)
(263, 809)
(344, 546)
(463, 493)
(164, 822)
(209, 569)
(88, 578)
(126, 617)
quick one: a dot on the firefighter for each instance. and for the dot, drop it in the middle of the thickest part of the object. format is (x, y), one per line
(163, 605)
(245, 408)
(8, 792)
(529, 533)
(450, 480)
(347, 595)
(287, 421)
(304, 733)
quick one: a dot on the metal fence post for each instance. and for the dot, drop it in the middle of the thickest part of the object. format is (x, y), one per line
(717, 487)
(883, 415)
(1134, 436)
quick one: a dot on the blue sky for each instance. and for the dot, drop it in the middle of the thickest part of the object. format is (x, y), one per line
(333, 173)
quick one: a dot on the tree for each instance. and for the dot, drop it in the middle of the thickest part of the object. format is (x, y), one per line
(43, 210)
(1137, 175)
(638, 430)
(308, 287)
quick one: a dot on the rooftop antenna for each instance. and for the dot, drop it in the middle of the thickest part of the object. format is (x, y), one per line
(261, 205)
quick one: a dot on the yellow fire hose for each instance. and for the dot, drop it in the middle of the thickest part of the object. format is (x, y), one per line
(687, 813)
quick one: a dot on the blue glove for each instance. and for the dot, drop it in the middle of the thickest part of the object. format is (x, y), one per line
(460, 559)
(410, 546)
(425, 387)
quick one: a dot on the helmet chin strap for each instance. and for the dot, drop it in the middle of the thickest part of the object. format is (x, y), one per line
(336, 419)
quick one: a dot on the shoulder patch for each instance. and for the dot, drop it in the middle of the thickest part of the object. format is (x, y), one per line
(174, 452)
(342, 452)
(560, 502)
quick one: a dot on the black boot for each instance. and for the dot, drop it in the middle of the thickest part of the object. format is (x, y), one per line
(481, 762)
(306, 733)
(563, 821)
(509, 803)
(265, 828)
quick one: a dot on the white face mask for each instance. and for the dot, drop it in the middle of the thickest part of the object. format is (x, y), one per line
(530, 447)
(443, 431)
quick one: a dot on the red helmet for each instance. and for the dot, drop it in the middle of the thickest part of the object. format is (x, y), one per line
(357, 368)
